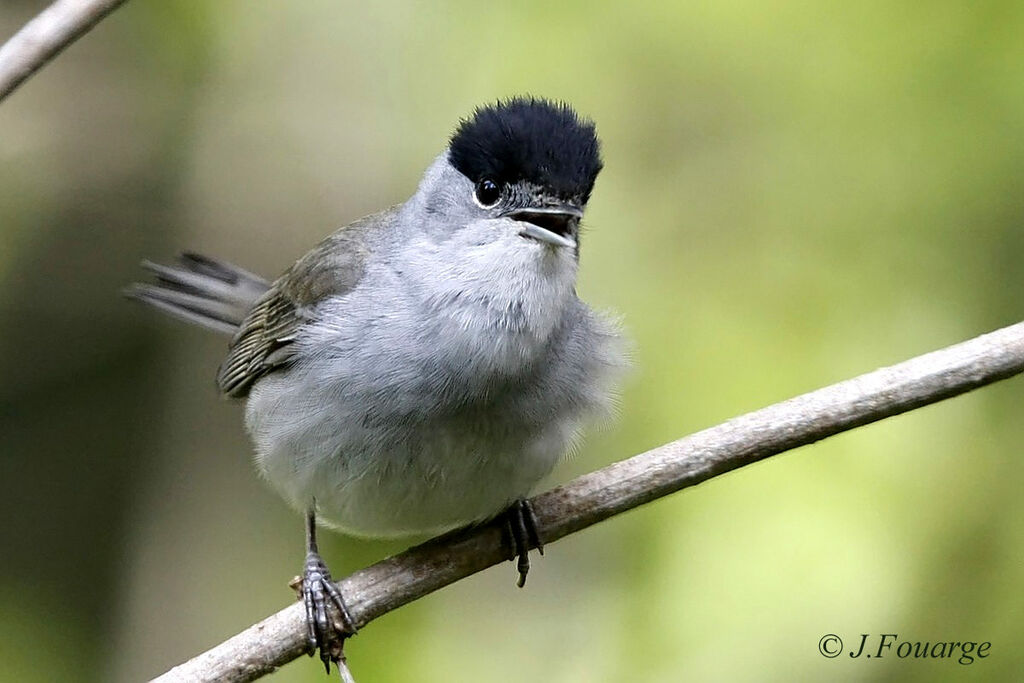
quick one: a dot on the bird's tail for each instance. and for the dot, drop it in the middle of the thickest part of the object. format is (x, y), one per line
(201, 290)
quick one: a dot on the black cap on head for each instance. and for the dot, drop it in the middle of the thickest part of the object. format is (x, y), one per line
(532, 139)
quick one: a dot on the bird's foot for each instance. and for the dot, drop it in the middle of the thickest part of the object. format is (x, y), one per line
(318, 593)
(521, 530)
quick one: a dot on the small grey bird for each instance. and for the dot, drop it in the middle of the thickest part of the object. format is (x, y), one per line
(424, 367)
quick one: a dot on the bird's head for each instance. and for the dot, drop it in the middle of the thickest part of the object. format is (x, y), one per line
(523, 167)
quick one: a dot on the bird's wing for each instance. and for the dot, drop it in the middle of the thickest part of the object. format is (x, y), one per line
(264, 341)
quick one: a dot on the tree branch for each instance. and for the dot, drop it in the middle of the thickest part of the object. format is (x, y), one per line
(599, 495)
(41, 39)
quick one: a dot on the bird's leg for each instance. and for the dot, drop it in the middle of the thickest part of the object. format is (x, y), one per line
(318, 592)
(521, 527)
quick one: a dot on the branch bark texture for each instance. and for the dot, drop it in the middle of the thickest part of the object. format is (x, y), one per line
(41, 39)
(599, 495)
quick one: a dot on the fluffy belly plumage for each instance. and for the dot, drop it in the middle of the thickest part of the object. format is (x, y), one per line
(415, 474)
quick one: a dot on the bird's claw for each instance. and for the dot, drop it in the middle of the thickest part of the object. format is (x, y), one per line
(318, 592)
(521, 530)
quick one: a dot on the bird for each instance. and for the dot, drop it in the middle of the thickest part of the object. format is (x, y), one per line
(425, 367)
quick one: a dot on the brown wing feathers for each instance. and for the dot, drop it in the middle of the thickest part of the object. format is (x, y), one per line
(260, 345)
(264, 318)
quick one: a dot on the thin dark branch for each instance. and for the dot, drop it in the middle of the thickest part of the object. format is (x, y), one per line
(599, 495)
(41, 39)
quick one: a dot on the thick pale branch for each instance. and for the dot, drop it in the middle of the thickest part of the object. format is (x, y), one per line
(596, 496)
(41, 39)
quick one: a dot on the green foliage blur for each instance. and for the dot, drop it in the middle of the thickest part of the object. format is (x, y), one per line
(794, 193)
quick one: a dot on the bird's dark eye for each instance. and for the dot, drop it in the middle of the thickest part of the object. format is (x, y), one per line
(487, 193)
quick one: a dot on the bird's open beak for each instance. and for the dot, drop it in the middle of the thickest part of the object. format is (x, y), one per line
(552, 225)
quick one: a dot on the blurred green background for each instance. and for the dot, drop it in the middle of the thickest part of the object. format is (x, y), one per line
(794, 193)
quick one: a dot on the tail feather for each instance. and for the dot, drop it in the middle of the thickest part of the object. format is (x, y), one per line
(201, 290)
